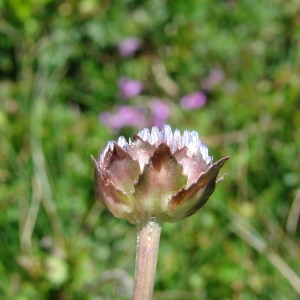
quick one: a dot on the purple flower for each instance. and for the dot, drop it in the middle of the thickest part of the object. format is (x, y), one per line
(129, 46)
(160, 112)
(195, 100)
(214, 78)
(129, 88)
(124, 116)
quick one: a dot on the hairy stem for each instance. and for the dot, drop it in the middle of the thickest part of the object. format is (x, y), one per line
(146, 258)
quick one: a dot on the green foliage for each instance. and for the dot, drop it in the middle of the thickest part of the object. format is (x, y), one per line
(59, 67)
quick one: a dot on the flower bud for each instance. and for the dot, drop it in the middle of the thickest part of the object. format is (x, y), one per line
(160, 174)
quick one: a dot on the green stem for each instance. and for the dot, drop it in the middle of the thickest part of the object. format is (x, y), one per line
(146, 258)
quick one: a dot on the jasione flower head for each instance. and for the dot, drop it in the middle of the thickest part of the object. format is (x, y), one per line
(160, 174)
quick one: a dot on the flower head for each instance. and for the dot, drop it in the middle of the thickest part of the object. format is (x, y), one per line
(195, 100)
(129, 46)
(160, 112)
(129, 88)
(124, 116)
(160, 174)
(214, 78)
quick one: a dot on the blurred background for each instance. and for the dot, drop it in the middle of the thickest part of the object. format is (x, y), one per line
(77, 73)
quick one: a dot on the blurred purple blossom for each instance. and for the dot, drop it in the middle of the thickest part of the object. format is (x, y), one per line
(160, 112)
(129, 46)
(214, 78)
(129, 88)
(124, 116)
(195, 100)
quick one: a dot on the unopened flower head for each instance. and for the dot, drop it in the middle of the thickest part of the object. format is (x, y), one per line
(161, 174)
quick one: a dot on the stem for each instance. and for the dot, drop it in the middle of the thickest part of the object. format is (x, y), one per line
(146, 258)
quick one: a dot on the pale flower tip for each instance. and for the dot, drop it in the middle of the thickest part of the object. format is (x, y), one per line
(204, 152)
(195, 137)
(177, 140)
(122, 142)
(167, 135)
(185, 138)
(167, 128)
(155, 135)
(144, 134)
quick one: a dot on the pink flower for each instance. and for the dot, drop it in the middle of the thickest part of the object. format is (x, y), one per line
(195, 100)
(160, 112)
(129, 88)
(129, 46)
(215, 77)
(124, 116)
(159, 174)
